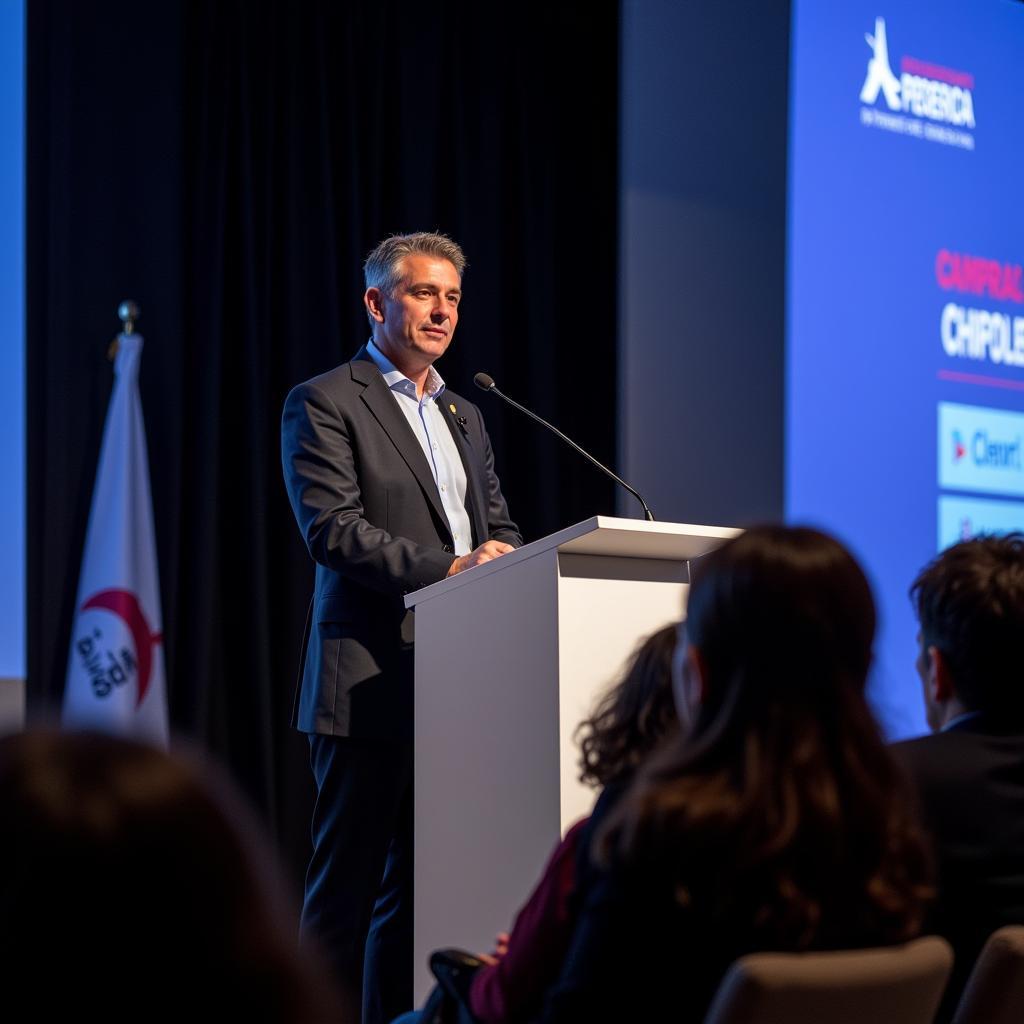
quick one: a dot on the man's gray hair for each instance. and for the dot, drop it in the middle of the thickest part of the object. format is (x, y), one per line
(383, 267)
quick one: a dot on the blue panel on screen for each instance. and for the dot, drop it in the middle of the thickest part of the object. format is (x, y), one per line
(962, 518)
(979, 449)
(12, 346)
(905, 290)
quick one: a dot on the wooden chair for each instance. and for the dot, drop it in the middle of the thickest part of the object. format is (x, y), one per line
(889, 985)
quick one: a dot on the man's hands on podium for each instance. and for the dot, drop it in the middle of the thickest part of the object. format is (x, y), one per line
(487, 552)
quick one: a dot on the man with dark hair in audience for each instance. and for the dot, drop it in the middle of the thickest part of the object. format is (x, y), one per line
(969, 774)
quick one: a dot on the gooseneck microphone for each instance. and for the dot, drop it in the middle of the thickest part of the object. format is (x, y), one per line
(485, 382)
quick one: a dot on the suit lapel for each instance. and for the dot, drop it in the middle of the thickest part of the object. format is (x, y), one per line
(382, 405)
(471, 464)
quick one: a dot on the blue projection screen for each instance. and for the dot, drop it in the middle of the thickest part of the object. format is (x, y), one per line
(905, 305)
(12, 344)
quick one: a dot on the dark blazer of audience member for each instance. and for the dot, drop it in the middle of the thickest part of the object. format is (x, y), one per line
(134, 889)
(969, 775)
(777, 821)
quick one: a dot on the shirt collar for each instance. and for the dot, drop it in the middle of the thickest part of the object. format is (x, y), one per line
(953, 723)
(397, 381)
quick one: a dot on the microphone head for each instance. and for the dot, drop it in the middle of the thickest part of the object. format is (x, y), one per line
(484, 381)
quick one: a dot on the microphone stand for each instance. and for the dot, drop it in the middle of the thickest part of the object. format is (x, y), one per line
(486, 383)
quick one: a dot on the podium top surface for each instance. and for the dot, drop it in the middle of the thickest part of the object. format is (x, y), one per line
(600, 535)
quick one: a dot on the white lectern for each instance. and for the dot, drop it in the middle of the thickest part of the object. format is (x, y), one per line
(510, 656)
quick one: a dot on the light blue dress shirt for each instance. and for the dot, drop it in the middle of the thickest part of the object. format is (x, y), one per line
(431, 430)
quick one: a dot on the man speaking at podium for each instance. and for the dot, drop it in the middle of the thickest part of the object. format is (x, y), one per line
(391, 479)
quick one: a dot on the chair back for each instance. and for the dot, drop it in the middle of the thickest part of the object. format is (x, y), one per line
(994, 993)
(889, 985)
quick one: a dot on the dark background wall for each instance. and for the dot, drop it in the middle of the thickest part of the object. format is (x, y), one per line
(703, 254)
(228, 165)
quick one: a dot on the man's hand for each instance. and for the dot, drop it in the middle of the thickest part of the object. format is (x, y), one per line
(487, 552)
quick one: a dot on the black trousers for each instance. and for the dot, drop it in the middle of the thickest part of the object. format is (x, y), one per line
(358, 899)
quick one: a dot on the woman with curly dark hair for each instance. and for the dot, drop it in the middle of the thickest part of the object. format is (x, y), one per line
(632, 717)
(776, 821)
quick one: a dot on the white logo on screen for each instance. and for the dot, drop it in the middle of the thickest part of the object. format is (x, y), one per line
(880, 76)
(922, 90)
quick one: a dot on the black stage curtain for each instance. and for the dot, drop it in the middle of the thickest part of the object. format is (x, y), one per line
(228, 165)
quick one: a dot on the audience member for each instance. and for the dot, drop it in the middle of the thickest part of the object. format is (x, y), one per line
(969, 775)
(131, 890)
(778, 819)
(629, 721)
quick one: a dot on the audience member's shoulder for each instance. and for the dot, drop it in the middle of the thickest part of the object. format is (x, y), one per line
(964, 751)
(583, 840)
(909, 747)
(610, 796)
(931, 746)
(938, 760)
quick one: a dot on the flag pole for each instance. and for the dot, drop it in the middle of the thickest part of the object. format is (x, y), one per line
(116, 675)
(127, 312)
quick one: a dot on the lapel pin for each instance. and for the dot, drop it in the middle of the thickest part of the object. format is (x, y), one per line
(452, 407)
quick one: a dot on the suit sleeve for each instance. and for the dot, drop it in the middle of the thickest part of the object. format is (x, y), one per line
(321, 476)
(499, 523)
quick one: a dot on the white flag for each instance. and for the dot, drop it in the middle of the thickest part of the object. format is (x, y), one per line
(115, 676)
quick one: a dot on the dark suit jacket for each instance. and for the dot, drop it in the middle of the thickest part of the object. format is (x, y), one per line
(970, 784)
(369, 511)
